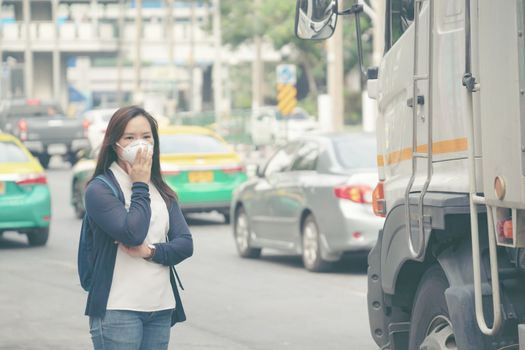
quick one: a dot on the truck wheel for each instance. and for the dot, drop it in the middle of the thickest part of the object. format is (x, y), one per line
(241, 231)
(430, 326)
(312, 259)
(44, 160)
(38, 237)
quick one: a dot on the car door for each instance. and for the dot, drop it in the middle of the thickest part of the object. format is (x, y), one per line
(263, 218)
(301, 178)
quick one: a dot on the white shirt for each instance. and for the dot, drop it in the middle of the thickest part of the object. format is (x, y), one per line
(137, 284)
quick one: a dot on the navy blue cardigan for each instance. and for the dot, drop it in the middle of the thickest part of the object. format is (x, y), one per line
(111, 222)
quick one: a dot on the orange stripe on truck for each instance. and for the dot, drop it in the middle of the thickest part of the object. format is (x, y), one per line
(439, 147)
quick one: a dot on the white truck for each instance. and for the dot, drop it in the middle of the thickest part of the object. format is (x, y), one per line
(448, 269)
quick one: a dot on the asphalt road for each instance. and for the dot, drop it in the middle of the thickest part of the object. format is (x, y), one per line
(231, 303)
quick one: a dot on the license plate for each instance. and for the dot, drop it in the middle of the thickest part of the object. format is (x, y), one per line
(2, 187)
(200, 176)
(56, 149)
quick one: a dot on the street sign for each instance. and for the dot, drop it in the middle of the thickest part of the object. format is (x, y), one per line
(286, 91)
(286, 74)
(286, 98)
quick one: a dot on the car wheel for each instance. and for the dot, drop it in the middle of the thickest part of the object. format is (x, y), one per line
(38, 237)
(430, 326)
(44, 160)
(312, 259)
(78, 202)
(241, 231)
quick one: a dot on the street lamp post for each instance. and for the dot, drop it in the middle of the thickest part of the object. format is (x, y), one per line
(138, 56)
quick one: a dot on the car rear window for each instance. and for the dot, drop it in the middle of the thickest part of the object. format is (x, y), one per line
(11, 153)
(356, 151)
(32, 111)
(184, 143)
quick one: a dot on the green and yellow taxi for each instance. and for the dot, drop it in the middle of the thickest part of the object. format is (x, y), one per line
(25, 200)
(196, 163)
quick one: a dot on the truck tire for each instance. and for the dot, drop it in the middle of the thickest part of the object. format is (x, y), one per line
(241, 231)
(38, 237)
(311, 247)
(430, 326)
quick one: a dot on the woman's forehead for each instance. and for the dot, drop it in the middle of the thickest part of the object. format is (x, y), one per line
(137, 125)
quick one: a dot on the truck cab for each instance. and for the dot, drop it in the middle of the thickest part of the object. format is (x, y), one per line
(447, 271)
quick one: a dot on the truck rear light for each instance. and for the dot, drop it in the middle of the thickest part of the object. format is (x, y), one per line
(38, 179)
(378, 200)
(504, 228)
(355, 193)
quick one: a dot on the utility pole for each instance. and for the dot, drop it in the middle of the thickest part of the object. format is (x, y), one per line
(28, 54)
(369, 106)
(1, 51)
(137, 92)
(120, 56)
(170, 107)
(335, 76)
(257, 67)
(192, 57)
(218, 102)
(56, 53)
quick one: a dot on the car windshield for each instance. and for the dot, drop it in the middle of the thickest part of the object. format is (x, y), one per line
(356, 151)
(31, 111)
(297, 115)
(186, 143)
(12, 153)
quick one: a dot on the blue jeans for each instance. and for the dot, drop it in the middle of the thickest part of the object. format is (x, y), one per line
(131, 330)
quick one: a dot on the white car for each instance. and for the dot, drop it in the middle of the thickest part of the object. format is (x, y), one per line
(268, 126)
(97, 120)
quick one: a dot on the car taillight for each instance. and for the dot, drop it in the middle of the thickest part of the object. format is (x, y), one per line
(378, 200)
(85, 126)
(39, 179)
(170, 173)
(235, 169)
(355, 193)
(22, 127)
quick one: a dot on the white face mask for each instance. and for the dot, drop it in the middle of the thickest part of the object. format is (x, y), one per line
(130, 151)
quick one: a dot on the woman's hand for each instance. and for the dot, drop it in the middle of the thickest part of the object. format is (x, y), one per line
(140, 171)
(141, 251)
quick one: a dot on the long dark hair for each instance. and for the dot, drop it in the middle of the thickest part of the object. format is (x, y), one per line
(114, 131)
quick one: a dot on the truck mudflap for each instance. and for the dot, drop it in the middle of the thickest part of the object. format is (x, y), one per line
(456, 262)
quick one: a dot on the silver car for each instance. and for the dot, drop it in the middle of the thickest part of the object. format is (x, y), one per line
(313, 197)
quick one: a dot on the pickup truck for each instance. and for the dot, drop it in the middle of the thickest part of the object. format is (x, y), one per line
(44, 129)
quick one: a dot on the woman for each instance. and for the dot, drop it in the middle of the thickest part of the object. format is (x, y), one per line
(137, 236)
